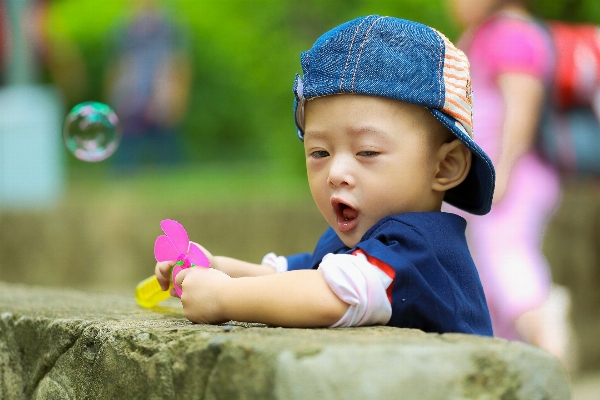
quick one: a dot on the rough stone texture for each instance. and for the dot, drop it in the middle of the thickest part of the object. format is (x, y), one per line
(63, 344)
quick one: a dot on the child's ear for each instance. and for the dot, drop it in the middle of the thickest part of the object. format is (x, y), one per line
(454, 165)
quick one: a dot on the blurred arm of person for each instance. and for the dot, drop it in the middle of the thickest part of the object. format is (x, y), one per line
(523, 98)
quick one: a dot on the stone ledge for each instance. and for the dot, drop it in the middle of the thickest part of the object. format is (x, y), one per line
(64, 344)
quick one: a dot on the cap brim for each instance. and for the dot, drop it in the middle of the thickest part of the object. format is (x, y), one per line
(476, 192)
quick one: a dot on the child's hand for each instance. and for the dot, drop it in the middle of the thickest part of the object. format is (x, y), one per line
(162, 270)
(200, 289)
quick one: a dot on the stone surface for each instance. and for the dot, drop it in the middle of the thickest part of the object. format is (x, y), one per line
(63, 344)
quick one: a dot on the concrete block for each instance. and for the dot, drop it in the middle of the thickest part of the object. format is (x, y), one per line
(66, 344)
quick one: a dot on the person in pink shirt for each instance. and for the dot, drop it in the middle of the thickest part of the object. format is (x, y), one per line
(511, 62)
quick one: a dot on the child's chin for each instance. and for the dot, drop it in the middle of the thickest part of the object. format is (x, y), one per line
(350, 239)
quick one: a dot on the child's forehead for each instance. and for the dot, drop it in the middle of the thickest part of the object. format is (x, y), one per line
(365, 102)
(353, 131)
(367, 117)
(363, 110)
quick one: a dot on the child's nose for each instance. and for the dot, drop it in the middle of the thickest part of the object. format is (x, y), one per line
(340, 173)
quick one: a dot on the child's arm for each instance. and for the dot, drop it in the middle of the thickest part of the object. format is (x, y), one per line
(231, 266)
(238, 268)
(292, 299)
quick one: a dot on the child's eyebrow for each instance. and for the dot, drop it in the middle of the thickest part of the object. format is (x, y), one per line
(362, 130)
(314, 135)
(370, 131)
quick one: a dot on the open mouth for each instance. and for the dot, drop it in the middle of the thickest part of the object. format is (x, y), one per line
(347, 217)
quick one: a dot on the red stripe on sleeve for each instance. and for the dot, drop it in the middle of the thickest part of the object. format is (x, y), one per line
(386, 268)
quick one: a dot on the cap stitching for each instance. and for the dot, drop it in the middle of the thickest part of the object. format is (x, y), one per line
(440, 67)
(360, 52)
(349, 52)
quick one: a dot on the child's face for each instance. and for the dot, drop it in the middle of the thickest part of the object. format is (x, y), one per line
(368, 157)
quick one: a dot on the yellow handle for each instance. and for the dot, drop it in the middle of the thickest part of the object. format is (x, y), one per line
(148, 292)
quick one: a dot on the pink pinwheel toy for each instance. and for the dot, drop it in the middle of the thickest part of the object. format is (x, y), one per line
(173, 246)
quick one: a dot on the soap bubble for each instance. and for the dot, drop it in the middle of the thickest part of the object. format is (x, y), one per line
(92, 131)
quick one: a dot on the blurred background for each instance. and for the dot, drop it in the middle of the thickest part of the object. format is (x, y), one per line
(203, 90)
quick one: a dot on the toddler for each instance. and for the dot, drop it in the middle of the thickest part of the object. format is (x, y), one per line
(384, 110)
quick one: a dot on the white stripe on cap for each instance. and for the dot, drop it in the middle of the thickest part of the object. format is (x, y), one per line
(458, 101)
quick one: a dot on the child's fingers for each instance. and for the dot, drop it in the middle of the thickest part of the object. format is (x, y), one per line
(180, 277)
(162, 270)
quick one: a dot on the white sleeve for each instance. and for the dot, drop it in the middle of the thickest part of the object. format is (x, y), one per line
(360, 284)
(279, 263)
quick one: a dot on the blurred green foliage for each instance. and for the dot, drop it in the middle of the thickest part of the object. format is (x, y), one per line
(244, 55)
(568, 10)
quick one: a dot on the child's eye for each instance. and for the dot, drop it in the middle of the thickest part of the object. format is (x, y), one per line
(368, 153)
(319, 154)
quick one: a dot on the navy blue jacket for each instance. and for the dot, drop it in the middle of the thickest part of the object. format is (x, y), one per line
(436, 287)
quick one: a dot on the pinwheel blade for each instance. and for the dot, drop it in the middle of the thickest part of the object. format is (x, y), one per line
(175, 231)
(164, 249)
(176, 269)
(196, 256)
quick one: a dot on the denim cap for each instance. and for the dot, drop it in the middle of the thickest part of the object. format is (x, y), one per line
(402, 60)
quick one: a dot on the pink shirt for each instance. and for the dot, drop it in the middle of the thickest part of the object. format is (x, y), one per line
(503, 44)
